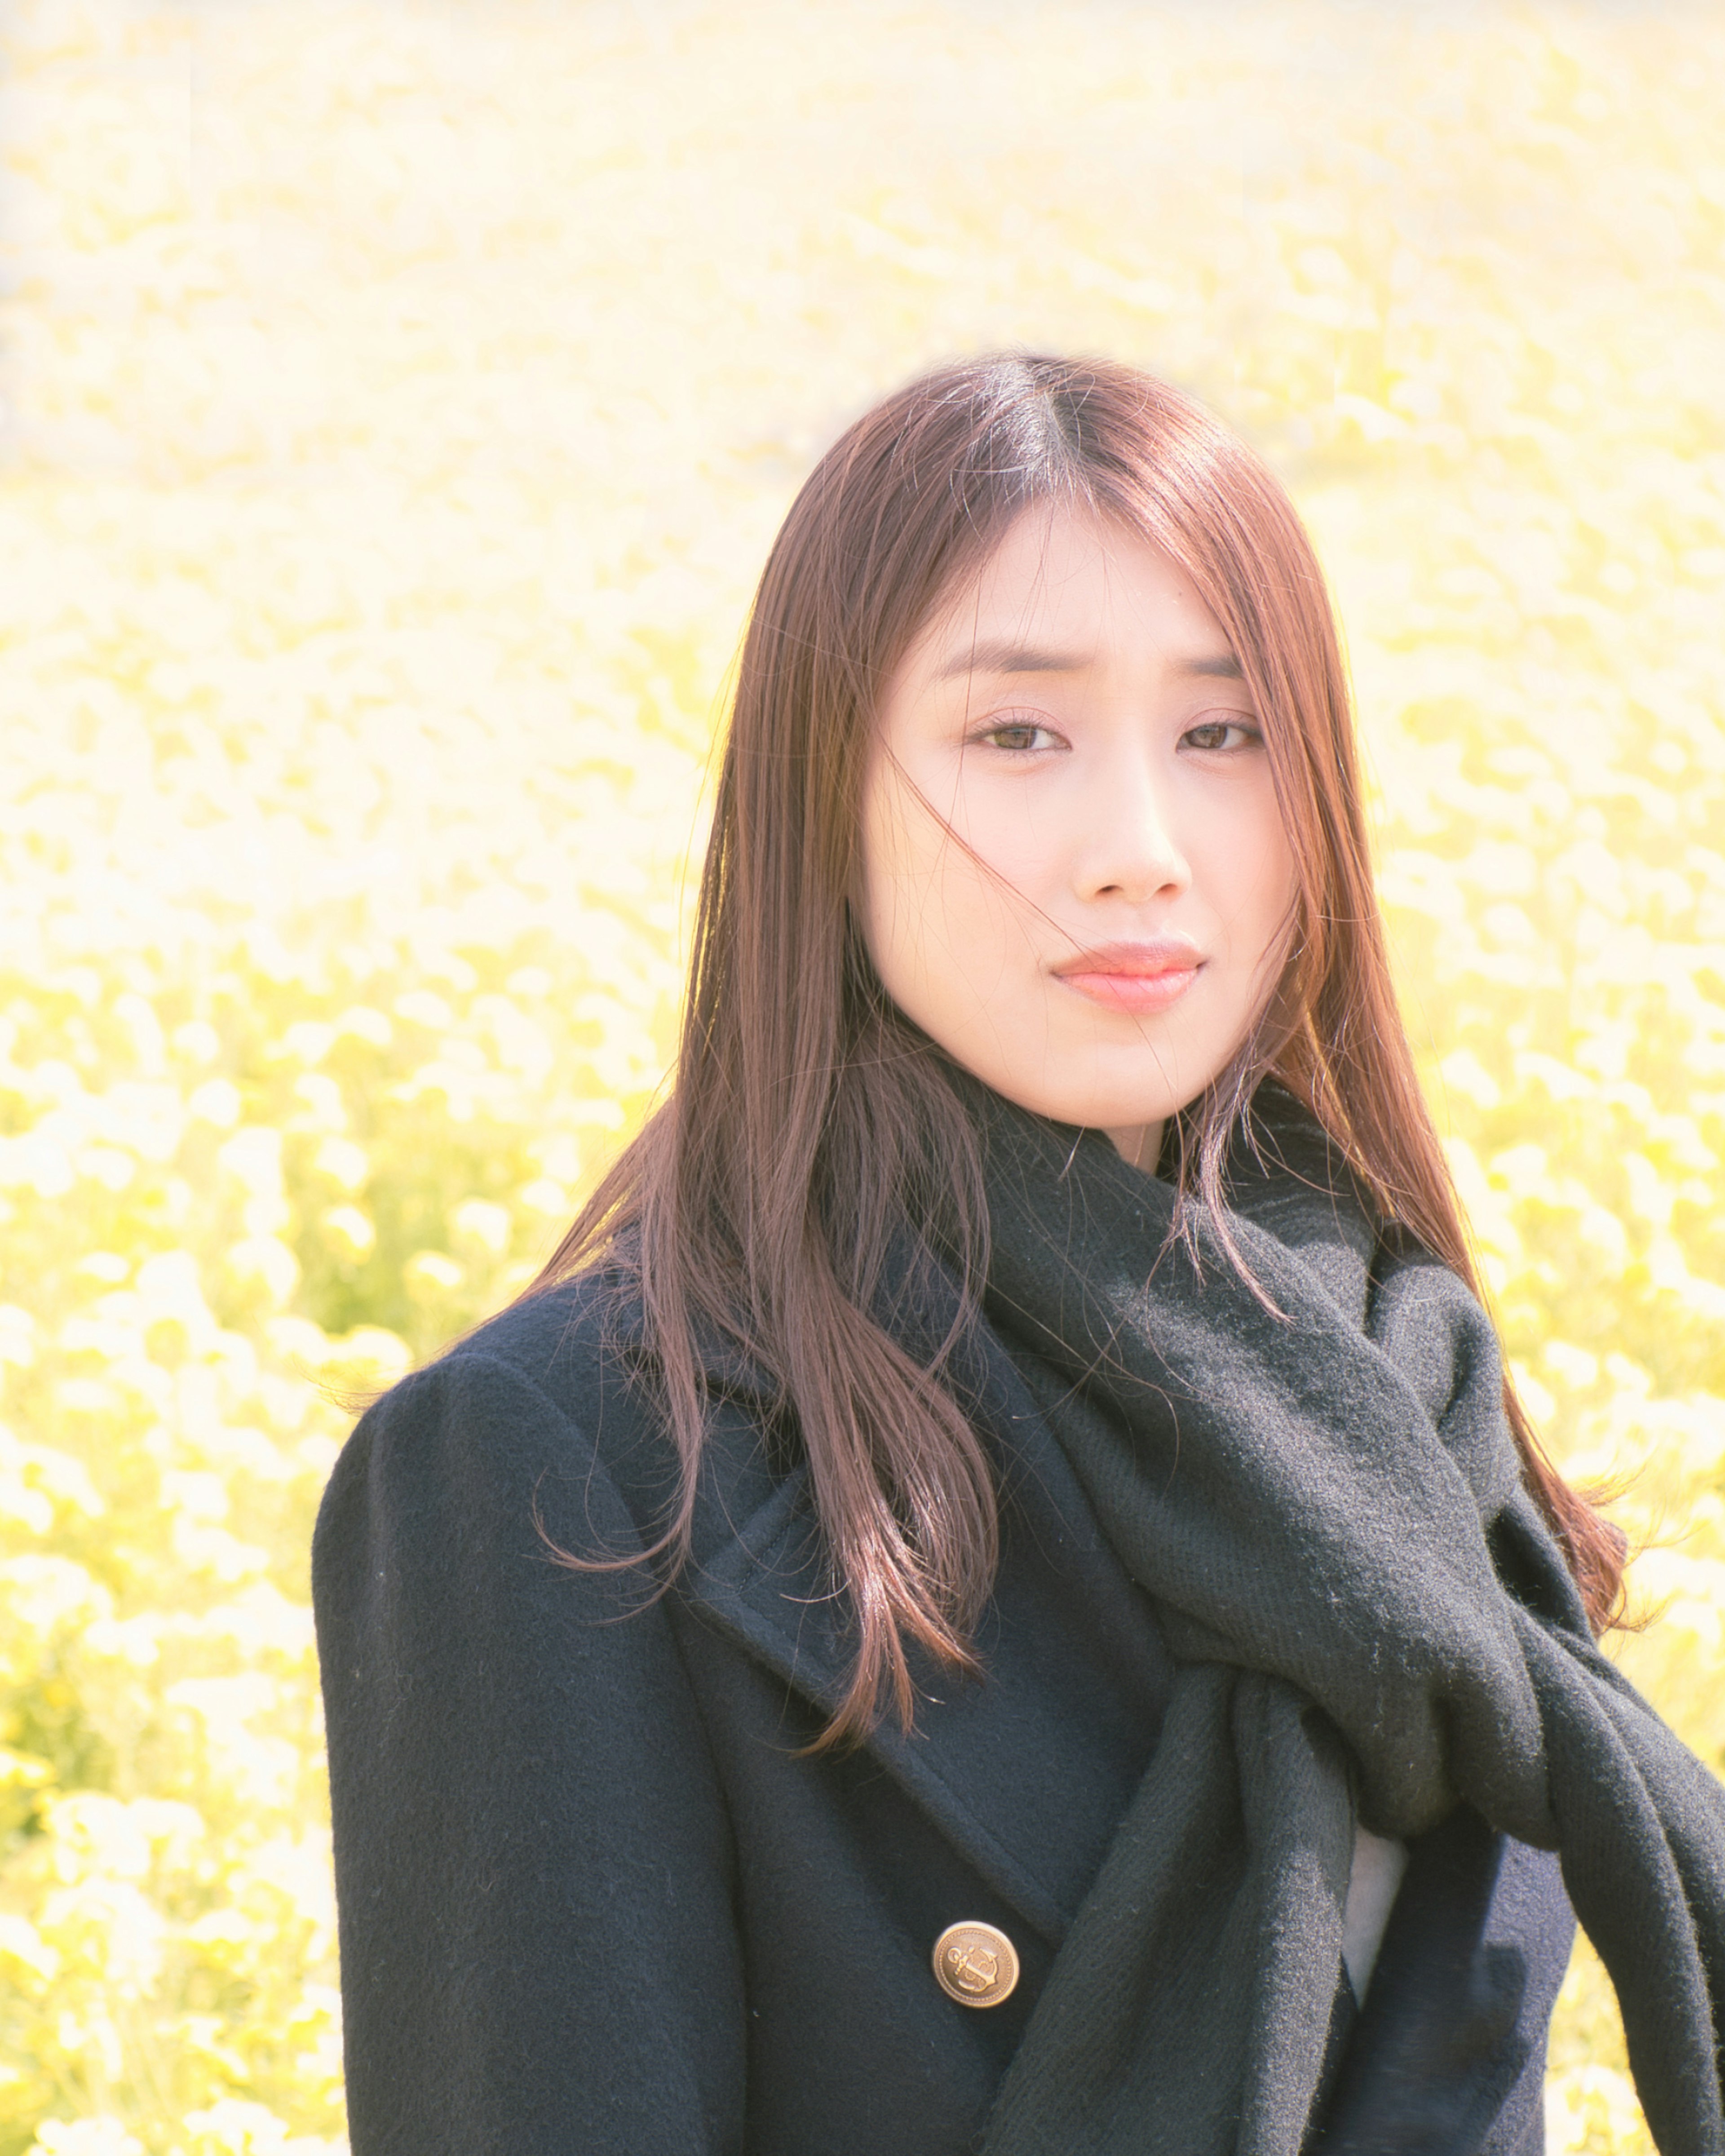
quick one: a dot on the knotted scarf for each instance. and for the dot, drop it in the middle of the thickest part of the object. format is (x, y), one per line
(1371, 1622)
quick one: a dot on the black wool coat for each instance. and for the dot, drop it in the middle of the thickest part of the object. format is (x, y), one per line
(595, 1903)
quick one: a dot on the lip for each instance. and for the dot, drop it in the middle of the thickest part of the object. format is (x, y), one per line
(1136, 977)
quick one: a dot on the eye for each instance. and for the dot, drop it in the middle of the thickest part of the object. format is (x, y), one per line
(1223, 734)
(1024, 736)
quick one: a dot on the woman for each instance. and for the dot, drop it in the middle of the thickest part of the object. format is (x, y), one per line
(995, 1596)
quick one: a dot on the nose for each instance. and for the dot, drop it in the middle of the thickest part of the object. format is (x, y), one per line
(1131, 849)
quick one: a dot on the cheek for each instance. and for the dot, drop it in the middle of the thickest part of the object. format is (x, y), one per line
(1282, 875)
(934, 921)
(898, 872)
(1276, 882)
(1252, 874)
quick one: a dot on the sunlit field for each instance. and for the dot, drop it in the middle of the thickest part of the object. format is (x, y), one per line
(398, 402)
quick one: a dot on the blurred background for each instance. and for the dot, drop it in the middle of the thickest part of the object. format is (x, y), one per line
(400, 399)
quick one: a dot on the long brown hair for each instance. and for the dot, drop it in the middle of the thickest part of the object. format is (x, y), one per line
(810, 1121)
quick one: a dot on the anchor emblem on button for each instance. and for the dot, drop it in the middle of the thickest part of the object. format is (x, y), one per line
(976, 1964)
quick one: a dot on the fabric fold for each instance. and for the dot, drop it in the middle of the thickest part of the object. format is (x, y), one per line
(1311, 1474)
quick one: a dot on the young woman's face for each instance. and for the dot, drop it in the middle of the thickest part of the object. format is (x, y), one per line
(1075, 876)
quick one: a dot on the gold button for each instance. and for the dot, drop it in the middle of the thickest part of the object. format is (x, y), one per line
(976, 1964)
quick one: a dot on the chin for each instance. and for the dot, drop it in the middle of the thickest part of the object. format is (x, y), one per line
(1106, 1100)
(1117, 1107)
(1097, 1111)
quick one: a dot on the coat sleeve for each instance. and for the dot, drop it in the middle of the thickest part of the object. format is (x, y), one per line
(533, 1859)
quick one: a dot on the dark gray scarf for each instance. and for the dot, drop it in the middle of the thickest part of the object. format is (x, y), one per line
(1371, 1620)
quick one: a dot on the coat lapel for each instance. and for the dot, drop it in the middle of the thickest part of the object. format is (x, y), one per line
(1027, 1771)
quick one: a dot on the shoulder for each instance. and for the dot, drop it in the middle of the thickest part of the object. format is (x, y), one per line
(528, 1414)
(571, 1345)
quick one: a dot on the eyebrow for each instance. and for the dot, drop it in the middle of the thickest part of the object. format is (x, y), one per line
(1007, 658)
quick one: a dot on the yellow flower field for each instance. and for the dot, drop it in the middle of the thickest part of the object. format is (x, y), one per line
(398, 399)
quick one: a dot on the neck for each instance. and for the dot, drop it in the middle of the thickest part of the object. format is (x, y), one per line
(1139, 1145)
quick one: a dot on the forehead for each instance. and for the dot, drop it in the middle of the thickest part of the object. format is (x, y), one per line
(1066, 583)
